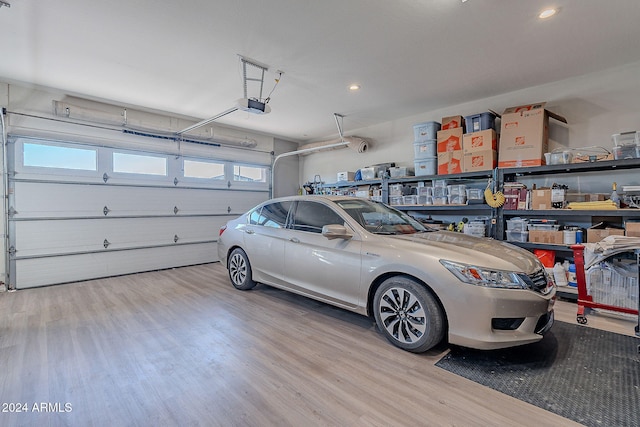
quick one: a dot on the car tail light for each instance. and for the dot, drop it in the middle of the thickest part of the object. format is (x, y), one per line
(224, 227)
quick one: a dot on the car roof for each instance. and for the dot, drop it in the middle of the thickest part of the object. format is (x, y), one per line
(314, 197)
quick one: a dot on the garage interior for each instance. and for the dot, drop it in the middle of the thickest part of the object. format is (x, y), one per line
(131, 133)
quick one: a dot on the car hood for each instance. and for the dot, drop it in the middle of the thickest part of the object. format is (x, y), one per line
(482, 252)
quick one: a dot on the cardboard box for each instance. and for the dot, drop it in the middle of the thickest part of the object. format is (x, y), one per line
(449, 140)
(601, 230)
(524, 135)
(541, 199)
(632, 229)
(452, 122)
(450, 162)
(480, 141)
(480, 161)
(548, 237)
(346, 176)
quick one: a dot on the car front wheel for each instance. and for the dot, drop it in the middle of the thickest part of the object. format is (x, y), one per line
(408, 314)
(240, 270)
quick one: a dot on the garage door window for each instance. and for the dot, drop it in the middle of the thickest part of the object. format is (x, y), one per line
(203, 170)
(249, 173)
(139, 164)
(53, 156)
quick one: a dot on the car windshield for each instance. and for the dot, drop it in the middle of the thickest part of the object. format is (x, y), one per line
(379, 218)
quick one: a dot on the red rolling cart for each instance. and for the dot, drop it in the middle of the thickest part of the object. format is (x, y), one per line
(585, 300)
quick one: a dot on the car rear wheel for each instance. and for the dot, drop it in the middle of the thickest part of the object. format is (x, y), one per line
(408, 314)
(240, 270)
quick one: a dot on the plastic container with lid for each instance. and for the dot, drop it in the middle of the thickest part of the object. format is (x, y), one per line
(626, 145)
(559, 275)
(571, 276)
(425, 131)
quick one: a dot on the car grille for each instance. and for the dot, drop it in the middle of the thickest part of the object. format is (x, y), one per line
(538, 281)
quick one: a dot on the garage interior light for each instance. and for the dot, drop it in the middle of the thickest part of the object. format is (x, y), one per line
(547, 13)
(4, 3)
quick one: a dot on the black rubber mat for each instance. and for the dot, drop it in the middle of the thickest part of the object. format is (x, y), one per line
(584, 374)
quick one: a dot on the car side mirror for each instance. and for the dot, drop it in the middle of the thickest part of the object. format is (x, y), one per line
(336, 231)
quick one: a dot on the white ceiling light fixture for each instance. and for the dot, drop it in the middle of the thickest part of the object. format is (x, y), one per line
(354, 87)
(4, 3)
(548, 13)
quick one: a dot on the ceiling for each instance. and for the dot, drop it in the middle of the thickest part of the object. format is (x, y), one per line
(409, 56)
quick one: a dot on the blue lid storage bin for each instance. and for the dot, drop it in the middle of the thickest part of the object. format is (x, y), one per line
(425, 131)
(425, 149)
(482, 121)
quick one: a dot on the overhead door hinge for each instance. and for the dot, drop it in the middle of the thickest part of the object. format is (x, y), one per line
(105, 177)
(12, 250)
(175, 238)
(106, 210)
(12, 211)
(106, 243)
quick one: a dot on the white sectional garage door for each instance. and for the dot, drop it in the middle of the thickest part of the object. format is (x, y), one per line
(79, 212)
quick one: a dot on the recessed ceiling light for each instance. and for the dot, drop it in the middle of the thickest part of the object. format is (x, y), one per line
(354, 87)
(547, 13)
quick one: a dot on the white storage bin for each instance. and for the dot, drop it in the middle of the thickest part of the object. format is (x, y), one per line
(427, 166)
(395, 200)
(457, 190)
(517, 236)
(475, 228)
(425, 191)
(425, 149)
(397, 172)
(475, 194)
(440, 200)
(426, 130)
(517, 224)
(422, 200)
(439, 191)
(410, 200)
(457, 199)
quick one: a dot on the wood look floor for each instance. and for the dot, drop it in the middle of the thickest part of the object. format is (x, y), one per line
(182, 347)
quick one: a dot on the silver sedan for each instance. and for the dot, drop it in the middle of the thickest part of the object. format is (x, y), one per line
(420, 285)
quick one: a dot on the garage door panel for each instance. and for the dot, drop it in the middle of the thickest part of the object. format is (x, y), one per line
(55, 200)
(56, 237)
(70, 268)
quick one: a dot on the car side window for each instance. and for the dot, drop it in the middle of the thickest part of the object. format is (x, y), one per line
(312, 216)
(270, 215)
(254, 216)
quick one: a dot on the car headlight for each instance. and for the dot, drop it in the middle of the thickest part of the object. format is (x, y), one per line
(485, 277)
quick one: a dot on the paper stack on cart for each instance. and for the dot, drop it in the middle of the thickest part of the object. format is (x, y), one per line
(610, 245)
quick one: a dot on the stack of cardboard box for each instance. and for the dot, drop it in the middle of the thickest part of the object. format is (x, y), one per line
(449, 143)
(480, 150)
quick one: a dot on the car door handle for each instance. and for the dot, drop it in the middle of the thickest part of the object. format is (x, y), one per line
(294, 240)
(249, 231)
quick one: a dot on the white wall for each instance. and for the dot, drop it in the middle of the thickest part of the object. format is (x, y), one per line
(595, 106)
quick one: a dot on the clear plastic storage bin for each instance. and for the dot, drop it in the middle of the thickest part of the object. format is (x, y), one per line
(517, 236)
(410, 200)
(517, 224)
